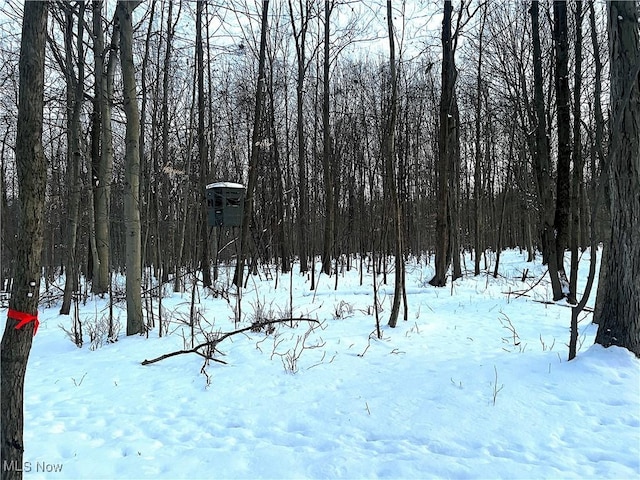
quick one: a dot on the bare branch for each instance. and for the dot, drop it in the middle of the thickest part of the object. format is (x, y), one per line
(211, 345)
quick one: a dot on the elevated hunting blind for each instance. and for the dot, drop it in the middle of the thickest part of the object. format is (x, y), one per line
(225, 202)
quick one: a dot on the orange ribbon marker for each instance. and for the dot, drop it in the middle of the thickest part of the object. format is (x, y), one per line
(23, 319)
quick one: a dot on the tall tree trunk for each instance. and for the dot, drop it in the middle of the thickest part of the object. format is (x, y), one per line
(148, 182)
(256, 144)
(32, 173)
(620, 315)
(578, 161)
(542, 160)
(598, 140)
(454, 195)
(135, 322)
(446, 150)
(327, 153)
(104, 71)
(300, 37)
(203, 151)
(165, 113)
(93, 263)
(390, 173)
(477, 171)
(279, 223)
(562, 219)
(75, 97)
(505, 195)
(183, 206)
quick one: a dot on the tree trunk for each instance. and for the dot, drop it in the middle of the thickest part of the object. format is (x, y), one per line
(598, 141)
(135, 322)
(75, 97)
(562, 219)
(104, 71)
(446, 150)
(148, 162)
(578, 161)
(477, 171)
(542, 160)
(256, 145)
(203, 150)
(327, 153)
(32, 172)
(390, 156)
(619, 323)
(503, 208)
(300, 37)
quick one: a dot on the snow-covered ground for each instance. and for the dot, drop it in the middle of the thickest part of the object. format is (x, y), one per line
(476, 384)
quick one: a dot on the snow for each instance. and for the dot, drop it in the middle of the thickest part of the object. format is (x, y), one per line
(225, 185)
(474, 385)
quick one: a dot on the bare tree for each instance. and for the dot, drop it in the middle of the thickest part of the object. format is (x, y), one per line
(477, 169)
(578, 160)
(104, 67)
(203, 150)
(448, 152)
(327, 151)
(390, 174)
(74, 101)
(23, 307)
(597, 142)
(256, 145)
(300, 37)
(542, 158)
(563, 105)
(135, 322)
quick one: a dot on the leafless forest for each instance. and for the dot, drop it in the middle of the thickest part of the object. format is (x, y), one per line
(363, 132)
(360, 129)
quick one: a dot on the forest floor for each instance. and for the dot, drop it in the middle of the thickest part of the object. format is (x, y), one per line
(475, 384)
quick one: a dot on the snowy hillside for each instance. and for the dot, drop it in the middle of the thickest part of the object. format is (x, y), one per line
(475, 384)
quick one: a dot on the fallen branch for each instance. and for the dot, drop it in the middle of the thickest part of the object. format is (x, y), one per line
(532, 286)
(549, 302)
(211, 345)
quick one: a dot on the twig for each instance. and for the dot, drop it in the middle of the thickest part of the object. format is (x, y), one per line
(496, 390)
(534, 285)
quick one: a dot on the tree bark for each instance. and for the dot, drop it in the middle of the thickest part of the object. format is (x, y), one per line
(542, 160)
(598, 141)
(619, 323)
(104, 71)
(562, 219)
(390, 157)
(300, 37)
(578, 160)
(135, 322)
(477, 170)
(203, 150)
(32, 171)
(327, 153)
(256, 145)
(75, 97)
(446, 150)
